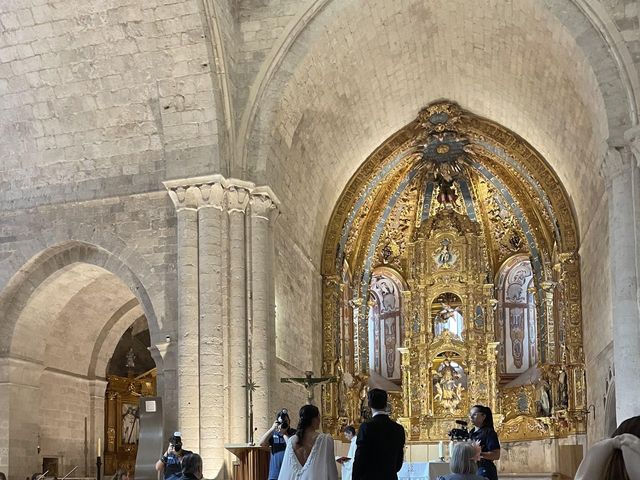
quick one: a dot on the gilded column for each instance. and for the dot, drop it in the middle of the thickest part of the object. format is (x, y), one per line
(263, 209)
(620, 174)
(237, 201)
(186, 199)
(548, 288)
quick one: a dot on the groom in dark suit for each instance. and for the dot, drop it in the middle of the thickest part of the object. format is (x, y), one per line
(380, 443)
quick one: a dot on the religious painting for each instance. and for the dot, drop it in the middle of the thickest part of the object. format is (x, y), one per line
(386, 329)
(517, 316)
(130, 423)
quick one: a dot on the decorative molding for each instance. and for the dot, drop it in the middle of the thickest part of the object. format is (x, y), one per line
(215, 191)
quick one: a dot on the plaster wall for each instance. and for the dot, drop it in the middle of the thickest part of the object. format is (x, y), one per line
(596, 313)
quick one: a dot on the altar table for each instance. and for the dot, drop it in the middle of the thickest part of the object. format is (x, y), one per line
(423, 470)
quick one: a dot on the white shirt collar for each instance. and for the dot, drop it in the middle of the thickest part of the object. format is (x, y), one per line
(379, 412)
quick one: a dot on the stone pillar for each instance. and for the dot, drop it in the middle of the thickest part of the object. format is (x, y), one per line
(263, 208)
(225, 310)
(212, 231)
(186, 199)
(238, 199)
(619, 170)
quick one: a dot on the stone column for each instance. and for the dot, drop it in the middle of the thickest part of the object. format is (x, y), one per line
(264, 206)
(619, 169)
(212, 232)
(237, 201)
(186, 199)
(225, 302)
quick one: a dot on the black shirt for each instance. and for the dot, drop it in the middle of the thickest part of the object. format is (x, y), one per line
(488, 440)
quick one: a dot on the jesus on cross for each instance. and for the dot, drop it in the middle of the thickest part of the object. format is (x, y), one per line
(309, 383)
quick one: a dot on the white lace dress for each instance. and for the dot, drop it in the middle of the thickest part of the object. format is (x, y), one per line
(320, 465)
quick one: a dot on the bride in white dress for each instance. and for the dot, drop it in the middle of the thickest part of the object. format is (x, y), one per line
(309, 454)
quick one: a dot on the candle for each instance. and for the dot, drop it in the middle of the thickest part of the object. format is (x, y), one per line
(98, 449)
(450, 448)
(441, 449)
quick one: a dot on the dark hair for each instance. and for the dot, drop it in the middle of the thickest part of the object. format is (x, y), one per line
(191, 463)
(488, 416)
(119, 474)
(351, 429)
(630, 425)
(3, 476)
(307, 414)
(615, 467)
(377, 398)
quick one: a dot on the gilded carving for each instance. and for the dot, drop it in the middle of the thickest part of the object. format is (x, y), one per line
(445, 202)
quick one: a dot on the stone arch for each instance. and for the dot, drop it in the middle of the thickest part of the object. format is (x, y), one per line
(63, 313)
(41, 267)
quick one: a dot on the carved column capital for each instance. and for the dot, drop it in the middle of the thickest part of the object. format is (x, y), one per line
(238, 196)
(264, 203)
(616, 162)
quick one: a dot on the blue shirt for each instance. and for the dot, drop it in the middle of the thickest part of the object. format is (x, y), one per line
(278, 445)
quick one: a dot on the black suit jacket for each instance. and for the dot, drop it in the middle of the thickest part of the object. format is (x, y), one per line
(380, 450)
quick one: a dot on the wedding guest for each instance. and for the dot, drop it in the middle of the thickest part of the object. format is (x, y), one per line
(309, 453)
(483, 432)
(615, 458)
(464, 462)
(347, 462)
(276, 437)
(192, 467)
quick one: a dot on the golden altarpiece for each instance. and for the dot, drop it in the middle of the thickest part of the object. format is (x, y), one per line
(451, 278)
(122, 418)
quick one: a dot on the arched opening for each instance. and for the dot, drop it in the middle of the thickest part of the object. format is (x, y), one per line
(65, 314)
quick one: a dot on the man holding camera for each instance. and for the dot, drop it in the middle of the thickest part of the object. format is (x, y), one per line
(276, 437)
(170, 464)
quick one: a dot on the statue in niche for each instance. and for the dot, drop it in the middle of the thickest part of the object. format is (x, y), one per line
(444, 256)
(448, 386)
(450, 319)
(563, 395)
(543, 402)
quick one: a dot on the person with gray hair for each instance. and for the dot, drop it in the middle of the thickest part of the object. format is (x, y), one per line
(464, 462)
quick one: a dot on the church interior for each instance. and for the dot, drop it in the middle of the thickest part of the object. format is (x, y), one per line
(204, 199)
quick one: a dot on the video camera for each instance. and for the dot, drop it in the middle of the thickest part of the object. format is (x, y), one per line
(460, 433)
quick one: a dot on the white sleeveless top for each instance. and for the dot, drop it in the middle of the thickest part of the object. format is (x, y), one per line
(320, 465)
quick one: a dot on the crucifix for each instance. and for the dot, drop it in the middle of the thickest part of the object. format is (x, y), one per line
(309, 383)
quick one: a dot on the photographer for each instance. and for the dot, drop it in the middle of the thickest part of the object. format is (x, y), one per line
(483, 432)
(170, 464)
(276, 437)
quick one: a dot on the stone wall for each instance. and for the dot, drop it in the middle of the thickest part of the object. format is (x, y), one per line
(102, 98)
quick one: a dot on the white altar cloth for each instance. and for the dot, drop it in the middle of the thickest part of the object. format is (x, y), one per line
(423, 470)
